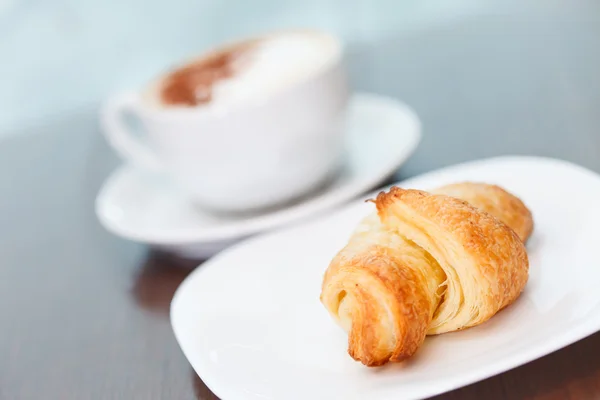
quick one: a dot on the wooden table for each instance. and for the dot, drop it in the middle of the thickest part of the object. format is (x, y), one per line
(84, 314)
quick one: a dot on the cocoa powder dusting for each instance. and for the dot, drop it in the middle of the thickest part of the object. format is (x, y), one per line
(192, 85)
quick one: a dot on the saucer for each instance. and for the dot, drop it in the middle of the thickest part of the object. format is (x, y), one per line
(147, 207)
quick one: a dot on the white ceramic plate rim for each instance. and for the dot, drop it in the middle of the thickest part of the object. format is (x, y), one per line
(252, 225)
(576, 332)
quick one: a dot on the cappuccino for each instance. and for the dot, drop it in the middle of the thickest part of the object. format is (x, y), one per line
(247, 126)
(247, 71)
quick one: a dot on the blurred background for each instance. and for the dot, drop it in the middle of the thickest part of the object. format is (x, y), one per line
(466, 66)
(63, 57)
(67, 55)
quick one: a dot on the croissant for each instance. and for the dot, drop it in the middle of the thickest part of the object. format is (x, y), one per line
(427, 263)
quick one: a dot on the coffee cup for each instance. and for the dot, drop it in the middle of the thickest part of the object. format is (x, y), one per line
(248, 125)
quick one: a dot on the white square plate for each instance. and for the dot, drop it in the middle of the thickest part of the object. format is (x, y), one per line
(251, 324)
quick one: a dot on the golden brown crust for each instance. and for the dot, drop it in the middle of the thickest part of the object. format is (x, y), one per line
(496, 201)
(426, 264)
(373, 282)
(484, 259)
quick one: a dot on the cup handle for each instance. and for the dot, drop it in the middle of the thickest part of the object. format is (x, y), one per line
(120, 137)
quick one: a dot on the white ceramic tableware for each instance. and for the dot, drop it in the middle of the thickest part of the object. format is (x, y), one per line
(248, 155)
(251, 324)
(148, 207)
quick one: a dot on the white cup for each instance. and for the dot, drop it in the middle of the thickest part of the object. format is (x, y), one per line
(260, 152)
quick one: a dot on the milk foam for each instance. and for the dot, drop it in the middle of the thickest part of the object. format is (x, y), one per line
(274, 64)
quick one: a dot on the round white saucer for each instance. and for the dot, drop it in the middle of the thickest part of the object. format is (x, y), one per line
(149, 208)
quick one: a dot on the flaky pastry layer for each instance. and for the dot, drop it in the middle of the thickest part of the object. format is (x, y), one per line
(427, 263)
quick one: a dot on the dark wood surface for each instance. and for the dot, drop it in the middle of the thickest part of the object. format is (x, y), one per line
(85, 315)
